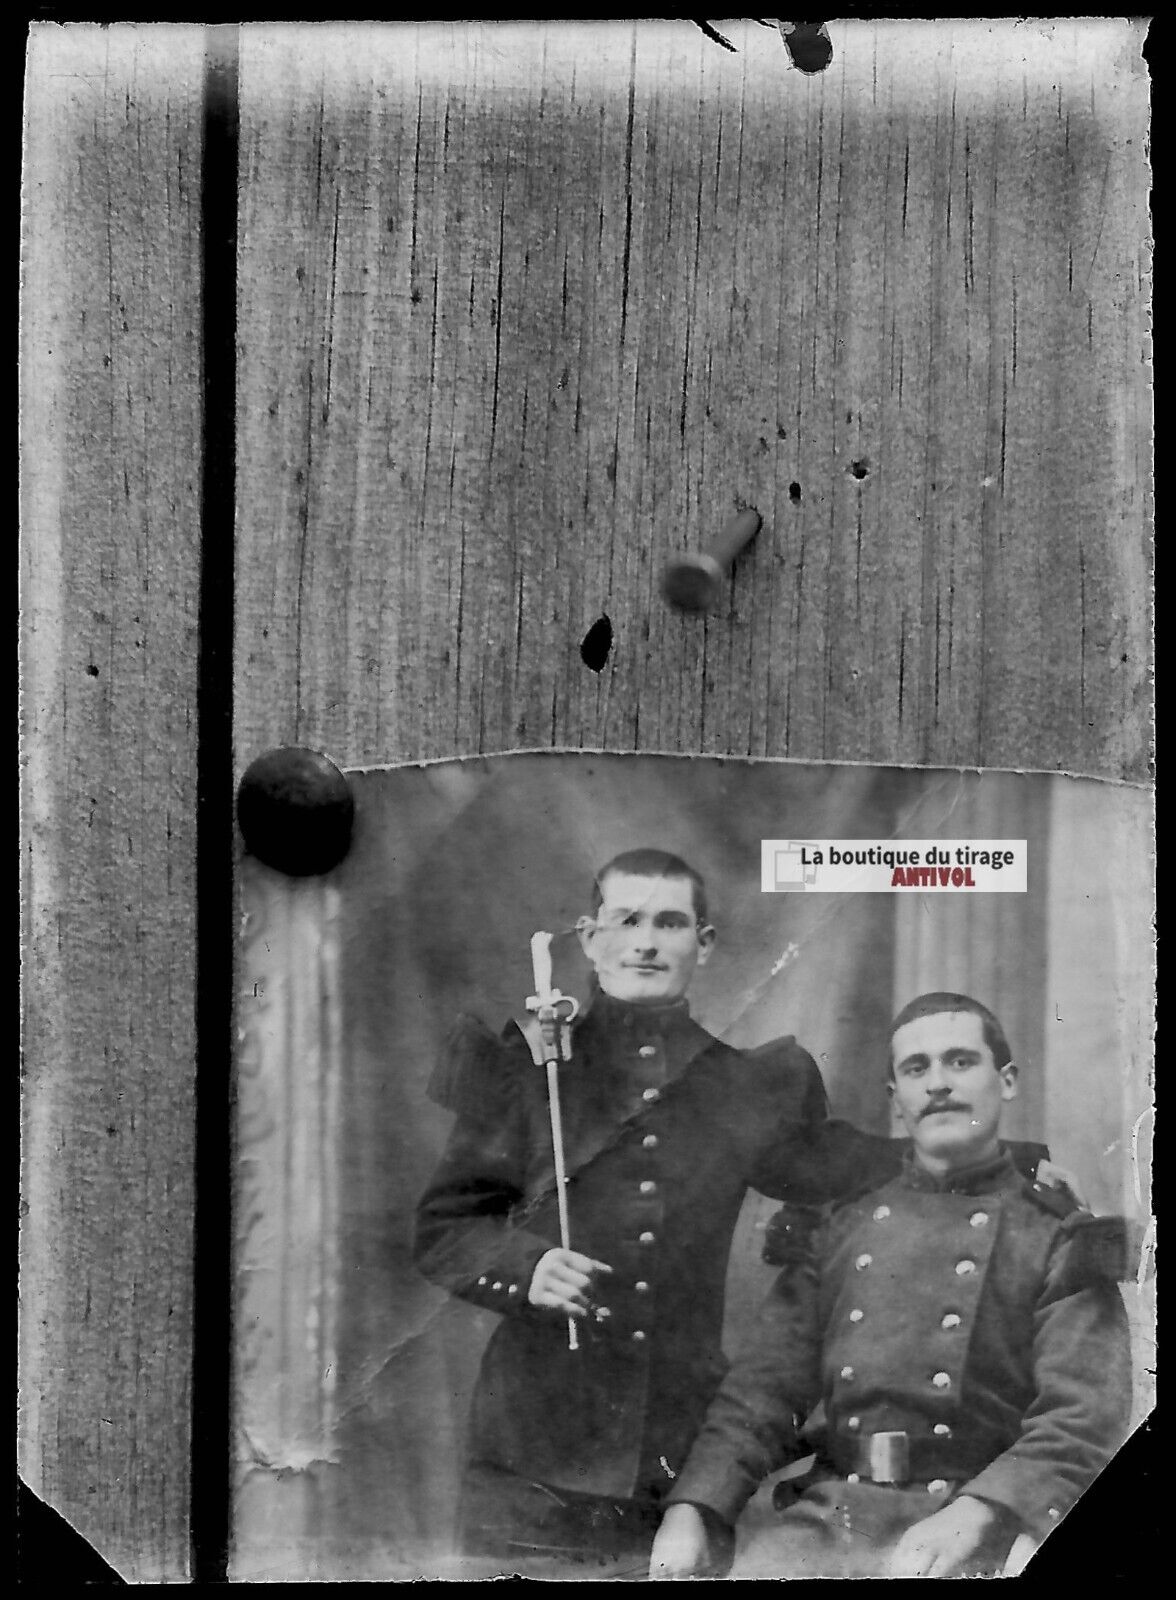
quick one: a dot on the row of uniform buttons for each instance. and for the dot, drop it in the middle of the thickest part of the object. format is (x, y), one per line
(950, 1320)
(936, 1486)
(647, 1187)
(978, 1219)
(941, 1380)
(963, 1268)
(497, 1286)
(941, 1430)
(603, 1313)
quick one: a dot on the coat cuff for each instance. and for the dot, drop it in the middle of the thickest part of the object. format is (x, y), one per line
(1024, 1491)
(723, 1490)
(503, 1284)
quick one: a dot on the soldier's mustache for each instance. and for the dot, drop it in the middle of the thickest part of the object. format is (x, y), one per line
(942, 1105)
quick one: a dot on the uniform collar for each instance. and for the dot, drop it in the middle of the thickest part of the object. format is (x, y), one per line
(608, 1013)
(981, 1178)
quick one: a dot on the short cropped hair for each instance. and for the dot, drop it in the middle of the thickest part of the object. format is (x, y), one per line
(935, 1004)
(653, 864)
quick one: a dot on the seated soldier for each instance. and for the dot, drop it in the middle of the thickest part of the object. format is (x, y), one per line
(962, 1330)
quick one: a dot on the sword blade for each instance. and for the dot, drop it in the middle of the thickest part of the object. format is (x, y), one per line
(541, 963)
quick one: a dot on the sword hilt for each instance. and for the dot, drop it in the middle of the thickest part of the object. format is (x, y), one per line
(555, 1012)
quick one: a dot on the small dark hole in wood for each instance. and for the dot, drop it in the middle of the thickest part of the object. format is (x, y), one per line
(92, 672)
(860, 469)
(794, 492)
(809, 46)
(596, 644)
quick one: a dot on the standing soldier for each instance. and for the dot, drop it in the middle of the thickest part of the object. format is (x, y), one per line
(965, 1333)
(572, 1450)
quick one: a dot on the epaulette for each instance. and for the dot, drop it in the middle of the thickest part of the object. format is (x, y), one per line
(1058, 1200)
(467, 1076)
(766, 1053)
(1027, 1156)
(790, 1234)
(1101, 1250)
(786, 1072)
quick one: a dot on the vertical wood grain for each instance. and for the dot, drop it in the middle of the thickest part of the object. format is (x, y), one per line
(525, 308)
(110, 485)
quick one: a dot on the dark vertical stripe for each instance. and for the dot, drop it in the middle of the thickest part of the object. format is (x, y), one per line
(215, 848)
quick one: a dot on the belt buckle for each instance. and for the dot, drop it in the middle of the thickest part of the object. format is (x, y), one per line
(888, 1457)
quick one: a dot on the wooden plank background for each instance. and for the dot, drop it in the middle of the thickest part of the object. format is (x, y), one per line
(526, 308)
(110, 422)
(522, 310)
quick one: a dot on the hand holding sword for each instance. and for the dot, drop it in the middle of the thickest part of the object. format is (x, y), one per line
(562, 1277)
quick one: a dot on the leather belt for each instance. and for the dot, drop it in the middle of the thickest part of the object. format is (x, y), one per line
(898, 1458)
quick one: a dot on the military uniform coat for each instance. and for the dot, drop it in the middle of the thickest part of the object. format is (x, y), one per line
(665, 1129)
(971, 1313)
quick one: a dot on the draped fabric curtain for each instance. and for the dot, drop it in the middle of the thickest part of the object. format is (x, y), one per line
(990, 946)
(1097, 1015)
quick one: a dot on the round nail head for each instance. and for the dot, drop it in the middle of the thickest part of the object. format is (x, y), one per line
(692, 582)
(295, 810)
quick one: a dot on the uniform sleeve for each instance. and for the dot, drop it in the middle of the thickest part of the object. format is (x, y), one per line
(1081, 1410)
(467, 1238)
(753, 1424)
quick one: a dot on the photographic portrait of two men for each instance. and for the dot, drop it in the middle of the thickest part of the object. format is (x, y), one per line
(609, 1215)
